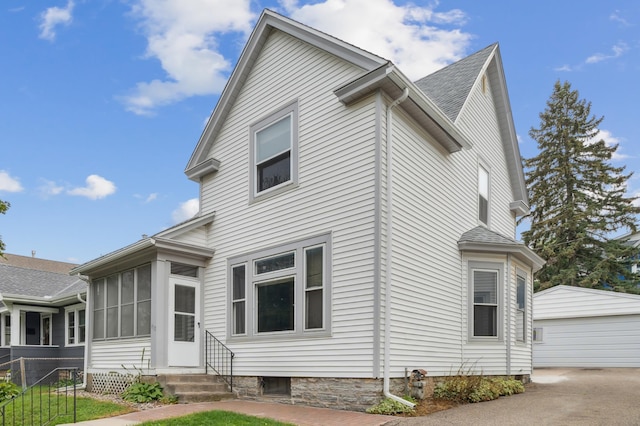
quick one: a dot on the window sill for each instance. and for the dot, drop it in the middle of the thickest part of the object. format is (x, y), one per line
(272, 192)
(266, 337)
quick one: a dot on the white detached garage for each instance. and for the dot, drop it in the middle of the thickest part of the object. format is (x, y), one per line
(581, 327)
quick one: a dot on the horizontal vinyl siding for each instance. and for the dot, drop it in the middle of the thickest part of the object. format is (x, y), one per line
(589, 342)
(335, 195)
(133, 354)
(521, 351)
(426, 292)
(479, 121)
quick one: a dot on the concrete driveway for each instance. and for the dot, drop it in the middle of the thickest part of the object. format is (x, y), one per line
(608, 396)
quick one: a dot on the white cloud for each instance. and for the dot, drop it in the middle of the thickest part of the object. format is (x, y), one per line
(563, 68)
(97, 187)
(616, 51)
(407, 34)
(636, 195)
(182, 35)
(186, 210)
(8, 183)
(50, 188)
(615, 16)
(151, 197)
(52, 17)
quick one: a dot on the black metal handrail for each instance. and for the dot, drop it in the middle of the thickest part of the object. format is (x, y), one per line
(219, 358)
(43, 401)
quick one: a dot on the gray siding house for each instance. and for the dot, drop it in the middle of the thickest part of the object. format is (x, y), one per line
(354, 225)
(42, 316)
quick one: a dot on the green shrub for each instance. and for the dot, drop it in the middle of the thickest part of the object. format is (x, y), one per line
(469, 388)
(8, 390)
(143, 392)
(390, 406)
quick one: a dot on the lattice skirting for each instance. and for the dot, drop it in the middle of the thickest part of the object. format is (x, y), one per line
(110, 383)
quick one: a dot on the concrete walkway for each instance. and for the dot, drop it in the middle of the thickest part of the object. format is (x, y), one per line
(295, 414)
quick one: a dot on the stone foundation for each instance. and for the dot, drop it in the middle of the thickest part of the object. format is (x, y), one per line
(339, 393)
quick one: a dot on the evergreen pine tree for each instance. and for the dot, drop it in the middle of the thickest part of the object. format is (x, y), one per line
(4, 206)
(578, 199)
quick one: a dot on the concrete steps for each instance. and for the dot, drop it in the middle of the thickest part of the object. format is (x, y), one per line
(195, 387)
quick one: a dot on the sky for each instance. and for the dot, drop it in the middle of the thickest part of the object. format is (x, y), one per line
(102, 102)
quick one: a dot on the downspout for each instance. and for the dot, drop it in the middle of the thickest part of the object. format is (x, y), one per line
(509, 316)
(86, 340)
(389, 241)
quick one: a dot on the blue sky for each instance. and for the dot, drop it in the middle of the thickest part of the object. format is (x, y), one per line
(103, 101)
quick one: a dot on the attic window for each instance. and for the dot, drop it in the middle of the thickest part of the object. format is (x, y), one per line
(484, 83)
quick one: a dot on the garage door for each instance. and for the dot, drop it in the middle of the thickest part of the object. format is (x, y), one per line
(612, 341)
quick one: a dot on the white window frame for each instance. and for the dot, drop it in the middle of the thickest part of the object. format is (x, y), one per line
(484, 191)
(3, 326)
(290, 110)
(254, 280)
(537, 335)
(43, 317)
(75, 309)
(521, 334)
(494, 267)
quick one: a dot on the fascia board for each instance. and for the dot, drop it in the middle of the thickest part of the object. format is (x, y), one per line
(202, 169)
(178, 247)
(113, 256)
(186, 226)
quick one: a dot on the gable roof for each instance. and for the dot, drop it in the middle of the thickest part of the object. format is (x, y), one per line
(481, 239)
(450, 86)
(198, 164)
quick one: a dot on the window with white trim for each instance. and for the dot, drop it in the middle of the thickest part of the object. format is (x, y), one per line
(273, 150)
(75, 325)
(521, 307)
(537, 334)
(483, 195)
(281, 292)
(485, 289)
(122, 304)
(5, 324)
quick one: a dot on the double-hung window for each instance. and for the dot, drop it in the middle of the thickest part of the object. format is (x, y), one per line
(486, 302)
(273, 150)
(122, 304)
(521, 310)
(281, 291)
(483, 195)
(75, 324)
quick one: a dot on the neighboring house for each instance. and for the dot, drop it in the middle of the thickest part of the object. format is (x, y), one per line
(583, 327)
(633, 240)
(353, 224)
(42, 315)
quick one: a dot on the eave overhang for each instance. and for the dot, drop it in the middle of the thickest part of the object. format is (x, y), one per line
(518, 250)
(520, 208)
(200, 170)
(390, 80)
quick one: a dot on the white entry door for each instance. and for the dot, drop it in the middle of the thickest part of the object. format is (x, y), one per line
(184, 323)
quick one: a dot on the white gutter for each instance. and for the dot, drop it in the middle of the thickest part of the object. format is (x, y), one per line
(387, 291)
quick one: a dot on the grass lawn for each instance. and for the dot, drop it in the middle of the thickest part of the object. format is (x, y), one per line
(218, 418)
(32, 407)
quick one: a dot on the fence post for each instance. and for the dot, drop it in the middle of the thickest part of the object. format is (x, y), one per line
(22, 374)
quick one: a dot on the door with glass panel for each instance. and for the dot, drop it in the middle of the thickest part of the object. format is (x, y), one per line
(184, 323)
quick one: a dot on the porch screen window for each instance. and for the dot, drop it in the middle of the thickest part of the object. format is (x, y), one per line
(6, 324)
(287, 288)
(122, 304)
(521, 315)
(485, 303)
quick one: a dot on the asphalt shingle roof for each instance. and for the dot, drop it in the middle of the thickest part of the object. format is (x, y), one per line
(15, 280)
(449, 87)
(480, 234)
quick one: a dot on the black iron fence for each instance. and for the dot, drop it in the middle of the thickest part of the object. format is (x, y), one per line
(219, 358)
(51, 397)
